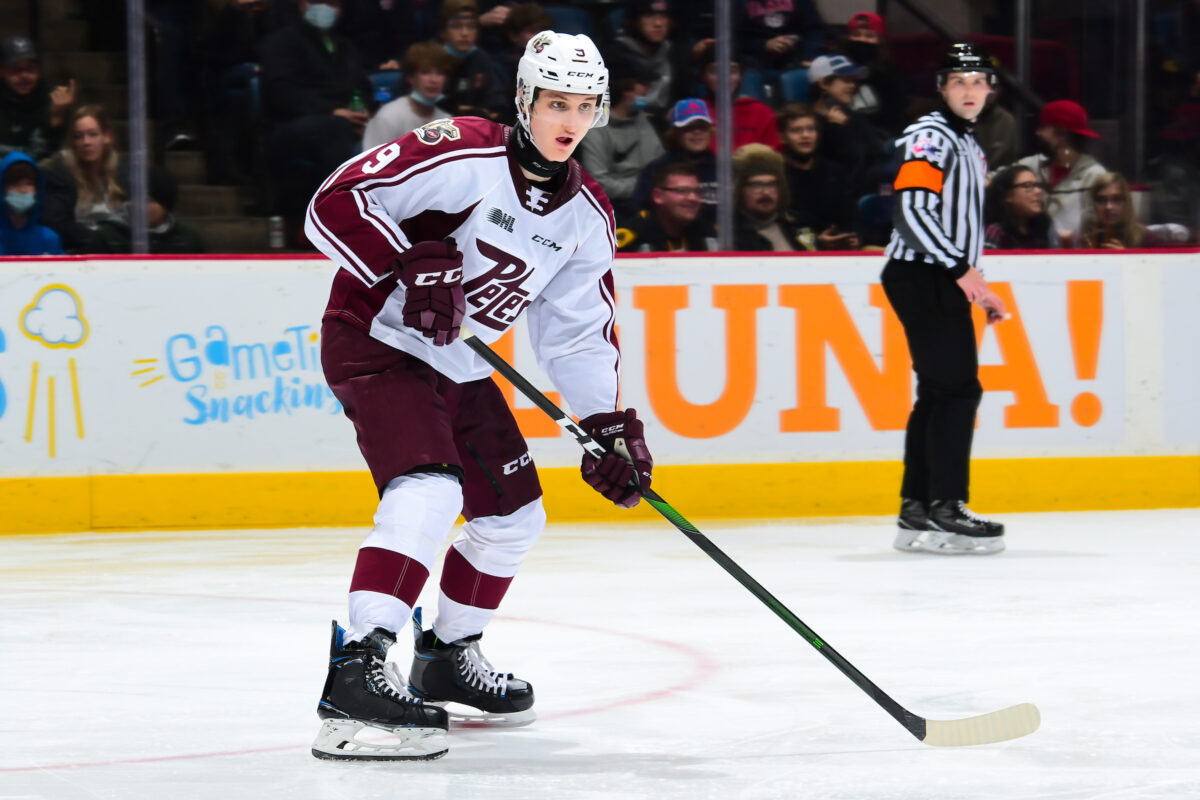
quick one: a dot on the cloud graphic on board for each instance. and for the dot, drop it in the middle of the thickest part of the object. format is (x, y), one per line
(55, 318)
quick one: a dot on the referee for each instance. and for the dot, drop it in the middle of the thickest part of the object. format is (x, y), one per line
(931, 280)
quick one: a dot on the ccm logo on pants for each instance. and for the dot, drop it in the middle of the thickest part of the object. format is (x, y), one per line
(516, 464)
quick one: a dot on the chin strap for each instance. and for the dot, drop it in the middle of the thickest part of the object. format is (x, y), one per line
(529, 157)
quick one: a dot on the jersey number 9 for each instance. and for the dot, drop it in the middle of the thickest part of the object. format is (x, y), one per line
(382, 158)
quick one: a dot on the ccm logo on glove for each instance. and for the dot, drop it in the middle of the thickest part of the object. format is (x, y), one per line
(622, 478)
(434, 302)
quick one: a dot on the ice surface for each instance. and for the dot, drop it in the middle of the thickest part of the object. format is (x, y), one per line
(188, 665)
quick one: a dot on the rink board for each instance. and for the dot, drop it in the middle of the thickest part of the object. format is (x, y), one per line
(180, 393)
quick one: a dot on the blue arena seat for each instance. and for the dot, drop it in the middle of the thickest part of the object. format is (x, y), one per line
(795, 85)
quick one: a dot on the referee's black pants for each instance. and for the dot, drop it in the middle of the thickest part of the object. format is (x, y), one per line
(936, 316)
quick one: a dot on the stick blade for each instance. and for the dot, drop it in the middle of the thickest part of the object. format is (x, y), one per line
(998, 726)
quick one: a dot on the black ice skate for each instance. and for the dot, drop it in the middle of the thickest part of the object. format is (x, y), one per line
(953, 529)
(457, 673)
(359, 695)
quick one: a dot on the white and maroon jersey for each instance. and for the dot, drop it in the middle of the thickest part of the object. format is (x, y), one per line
(546, 254)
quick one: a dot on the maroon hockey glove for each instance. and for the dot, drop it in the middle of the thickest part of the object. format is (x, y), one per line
(613, 475)
(434, 302)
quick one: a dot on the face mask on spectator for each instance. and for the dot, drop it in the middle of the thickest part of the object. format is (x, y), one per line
(459, 53)
(426, 101)
(20, 202)
(639, 103)
(321, 16)
(862, 52)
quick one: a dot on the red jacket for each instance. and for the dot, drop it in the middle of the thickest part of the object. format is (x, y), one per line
(753, 121)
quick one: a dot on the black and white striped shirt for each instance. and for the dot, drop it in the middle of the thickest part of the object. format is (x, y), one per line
(938, 212)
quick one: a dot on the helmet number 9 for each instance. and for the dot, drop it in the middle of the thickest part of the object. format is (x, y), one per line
(382, 158)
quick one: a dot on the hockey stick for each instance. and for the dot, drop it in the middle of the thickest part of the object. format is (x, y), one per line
(998, 726)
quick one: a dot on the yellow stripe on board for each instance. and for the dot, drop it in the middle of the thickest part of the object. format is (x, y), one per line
(78, 405)
(855, 488)
(32, 403)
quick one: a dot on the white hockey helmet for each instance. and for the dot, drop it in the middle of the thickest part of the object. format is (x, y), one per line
(567, 63)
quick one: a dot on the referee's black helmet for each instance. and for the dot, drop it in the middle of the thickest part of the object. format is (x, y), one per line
(965, 57)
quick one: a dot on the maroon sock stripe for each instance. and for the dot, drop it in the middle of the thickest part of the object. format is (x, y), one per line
(464, 584)
(388, 572)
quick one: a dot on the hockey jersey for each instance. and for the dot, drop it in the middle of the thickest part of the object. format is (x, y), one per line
(545, 254)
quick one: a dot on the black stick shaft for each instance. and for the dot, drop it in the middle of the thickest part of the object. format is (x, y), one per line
(912, 722)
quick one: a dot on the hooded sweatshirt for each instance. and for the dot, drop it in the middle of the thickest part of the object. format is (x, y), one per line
(32, 238)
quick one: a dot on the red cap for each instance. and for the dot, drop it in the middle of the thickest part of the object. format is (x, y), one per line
(865, 19)
(1067, 114)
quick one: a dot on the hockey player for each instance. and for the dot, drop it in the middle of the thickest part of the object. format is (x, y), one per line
(463, 220)
(931, 280)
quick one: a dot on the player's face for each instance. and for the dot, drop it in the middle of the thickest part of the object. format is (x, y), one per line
(89, 140)
(559, 120)
(966, 93)
(801, 136)
(680, 198)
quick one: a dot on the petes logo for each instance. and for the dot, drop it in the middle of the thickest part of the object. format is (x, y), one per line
(498, 296)
(925, 146)
(540, 43)
(498, 217)
(437, 130)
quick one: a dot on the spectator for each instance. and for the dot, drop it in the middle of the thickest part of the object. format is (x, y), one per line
(427, 68)
(173, 70)
(233, 34)
(21, 231)
(777, 36)
(316, 93)
(996, 132)
(644, 47)
(688, 140)
(1064, 166)
(523, 22)
(383, 30)
(166, 233)
(85, 183)
(1110, 223)
(32, 115)
(761, 195)
(616, 154)
(673, 222)
(475, 89)
(753, 120)
(821, 203)
(880, 96)
(1175, 172)
(1016, 210)
(847, 138)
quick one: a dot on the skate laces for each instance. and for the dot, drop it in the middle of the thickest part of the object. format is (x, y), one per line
(969, 514)
(383, 677)
(479, 672)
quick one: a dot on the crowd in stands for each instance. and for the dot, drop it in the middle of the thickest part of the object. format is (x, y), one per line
(287, 90)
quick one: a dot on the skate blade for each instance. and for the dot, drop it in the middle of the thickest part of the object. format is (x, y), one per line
(352, 740)
(947, 544)
(464, 716)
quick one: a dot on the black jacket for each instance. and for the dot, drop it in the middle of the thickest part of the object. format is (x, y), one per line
(25, 123)
(301, 78)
